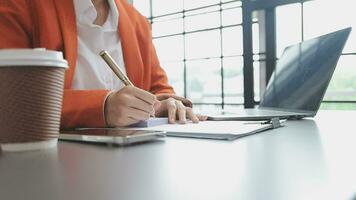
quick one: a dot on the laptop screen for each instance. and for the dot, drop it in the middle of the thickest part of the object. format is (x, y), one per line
(303, 73)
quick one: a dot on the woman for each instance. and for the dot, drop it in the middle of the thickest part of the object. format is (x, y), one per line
(93, 96)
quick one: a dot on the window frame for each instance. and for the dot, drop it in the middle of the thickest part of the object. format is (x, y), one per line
(265, 13)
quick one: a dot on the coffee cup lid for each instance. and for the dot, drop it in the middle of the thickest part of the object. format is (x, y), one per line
(32, 57)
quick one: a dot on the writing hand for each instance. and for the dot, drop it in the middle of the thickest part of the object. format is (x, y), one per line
(128, 106)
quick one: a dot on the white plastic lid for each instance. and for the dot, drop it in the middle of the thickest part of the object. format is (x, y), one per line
(32, 57)
(29, 146)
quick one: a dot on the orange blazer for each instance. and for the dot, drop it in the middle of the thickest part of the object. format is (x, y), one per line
(51, 24)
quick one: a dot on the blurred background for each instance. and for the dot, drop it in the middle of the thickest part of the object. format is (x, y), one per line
(221, 53)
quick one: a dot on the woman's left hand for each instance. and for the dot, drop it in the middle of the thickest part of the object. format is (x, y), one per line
(174, 108)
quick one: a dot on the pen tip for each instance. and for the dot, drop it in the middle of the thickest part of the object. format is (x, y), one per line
(102, 52)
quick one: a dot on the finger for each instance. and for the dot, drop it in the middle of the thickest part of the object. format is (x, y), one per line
(161, 97)
(192, 116)
(181, 111)
(129, 120)
(171, 108)
(142, 94)
(137, 103)
(156, 106)
(124, 122)
(186, 102)
(202, 117)
(137, 114)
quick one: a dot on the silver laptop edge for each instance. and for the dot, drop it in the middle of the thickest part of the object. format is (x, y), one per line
(295, 89)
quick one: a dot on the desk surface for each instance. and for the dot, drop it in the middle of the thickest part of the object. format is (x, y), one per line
(307, 159)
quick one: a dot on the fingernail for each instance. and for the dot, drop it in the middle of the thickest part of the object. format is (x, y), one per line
(182, 121)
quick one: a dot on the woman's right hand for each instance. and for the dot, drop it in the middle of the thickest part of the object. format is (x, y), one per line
(128, 105)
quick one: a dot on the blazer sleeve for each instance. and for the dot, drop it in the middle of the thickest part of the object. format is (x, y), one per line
(83, 108)
(15, 25)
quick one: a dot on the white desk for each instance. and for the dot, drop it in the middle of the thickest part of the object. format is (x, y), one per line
(308, 159)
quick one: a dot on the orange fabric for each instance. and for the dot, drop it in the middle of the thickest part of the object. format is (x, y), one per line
(51, 24)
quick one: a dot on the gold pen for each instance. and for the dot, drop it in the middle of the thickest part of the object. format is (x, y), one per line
(115, 68)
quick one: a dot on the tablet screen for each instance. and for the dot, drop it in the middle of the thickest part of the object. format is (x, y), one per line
(110, 135)
(109, 132)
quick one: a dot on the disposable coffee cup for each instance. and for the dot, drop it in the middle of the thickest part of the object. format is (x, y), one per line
(31, 93)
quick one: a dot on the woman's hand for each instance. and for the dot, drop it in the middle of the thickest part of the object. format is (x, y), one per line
(176, 109)
(128, 106)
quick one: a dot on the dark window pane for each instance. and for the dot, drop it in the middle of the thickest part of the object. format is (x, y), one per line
(338, 106)
(204, 81)
(190, 4)
(288, 26)
(162, 7)
(202, 21)
(170, 48)
(167, 26)
(232, 14)
(256, 38)
(175, 75)
(206, 109)
(192, 38)
(233, 80)
(232, 41)
(343, 82)
(321, 17)
(203, 44)
(256, 80)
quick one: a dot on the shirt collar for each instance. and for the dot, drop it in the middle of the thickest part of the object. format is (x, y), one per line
(114, 12)
(86, 8)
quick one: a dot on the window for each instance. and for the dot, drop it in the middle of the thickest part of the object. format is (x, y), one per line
(305, 20)
(199, 44)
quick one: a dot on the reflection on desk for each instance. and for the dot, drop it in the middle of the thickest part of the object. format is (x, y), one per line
(307, 159)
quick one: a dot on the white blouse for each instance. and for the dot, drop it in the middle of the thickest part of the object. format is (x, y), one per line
(91, 71)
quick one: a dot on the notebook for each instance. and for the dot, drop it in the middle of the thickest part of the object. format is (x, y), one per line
(299, 81)
(153, 121)
(220, 130)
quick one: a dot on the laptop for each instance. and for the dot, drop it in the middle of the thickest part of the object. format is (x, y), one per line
(299, 81)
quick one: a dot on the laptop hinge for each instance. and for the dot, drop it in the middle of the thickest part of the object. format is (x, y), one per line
(274, 121)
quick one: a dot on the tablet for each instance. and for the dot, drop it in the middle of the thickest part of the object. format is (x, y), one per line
(110, 135)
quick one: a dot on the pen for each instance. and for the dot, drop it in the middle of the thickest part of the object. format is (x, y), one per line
(115, 68)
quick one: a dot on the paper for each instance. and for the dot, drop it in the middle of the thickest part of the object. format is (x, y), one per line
(154, 121)
(225, 130)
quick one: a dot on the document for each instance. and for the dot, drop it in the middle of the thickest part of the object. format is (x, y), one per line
(153, 121)
(222, 130)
